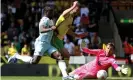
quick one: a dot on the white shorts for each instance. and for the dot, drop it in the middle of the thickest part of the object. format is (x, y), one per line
(42, 47)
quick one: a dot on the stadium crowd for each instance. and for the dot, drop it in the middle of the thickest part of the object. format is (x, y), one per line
(20, 20)
(20, 23)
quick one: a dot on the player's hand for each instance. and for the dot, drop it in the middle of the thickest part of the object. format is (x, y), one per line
(53, 27)
(124, 70)
(75, 3)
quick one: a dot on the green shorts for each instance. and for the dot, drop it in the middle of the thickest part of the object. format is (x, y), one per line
(57, 43)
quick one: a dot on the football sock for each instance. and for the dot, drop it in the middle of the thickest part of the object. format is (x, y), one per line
(62, 66)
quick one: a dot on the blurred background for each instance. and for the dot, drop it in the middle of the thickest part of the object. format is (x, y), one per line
(104, 20)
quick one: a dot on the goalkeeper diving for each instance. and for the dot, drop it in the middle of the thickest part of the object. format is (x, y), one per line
(104, 59)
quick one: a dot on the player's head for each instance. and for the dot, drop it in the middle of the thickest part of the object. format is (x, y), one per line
(49, 12)
(110, 49)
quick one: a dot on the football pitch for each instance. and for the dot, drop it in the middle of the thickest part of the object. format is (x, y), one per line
(54, 78)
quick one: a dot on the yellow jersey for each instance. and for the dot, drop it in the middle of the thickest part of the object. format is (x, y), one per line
(12, 51)
(63, 25)
(25, 51)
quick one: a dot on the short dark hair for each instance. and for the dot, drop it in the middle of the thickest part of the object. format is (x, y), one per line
(47, 9)
(112, 45)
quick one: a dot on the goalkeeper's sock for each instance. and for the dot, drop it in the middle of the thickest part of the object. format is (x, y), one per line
(62, 66)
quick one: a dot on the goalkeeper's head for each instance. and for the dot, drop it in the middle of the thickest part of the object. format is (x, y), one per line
(110, 49)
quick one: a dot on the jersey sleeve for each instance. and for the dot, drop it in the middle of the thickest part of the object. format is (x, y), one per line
(45, 22)
(114, 64)
(60, 20)
(91, 51)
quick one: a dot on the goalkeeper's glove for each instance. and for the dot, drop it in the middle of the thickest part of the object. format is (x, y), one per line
(124, 70)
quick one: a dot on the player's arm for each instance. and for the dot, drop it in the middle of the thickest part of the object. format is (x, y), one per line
(64, 14)
(119, 68)
(75, 3)
(91, 51)
(43, 28)
(122, 69)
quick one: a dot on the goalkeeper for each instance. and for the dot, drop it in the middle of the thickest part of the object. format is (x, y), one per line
(104, 59)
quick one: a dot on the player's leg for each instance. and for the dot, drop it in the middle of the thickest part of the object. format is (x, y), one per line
(40, 48)
(53, 52)
(80, 73)
(65, 53)
(58, 44)
(61, 63)
(35, 59)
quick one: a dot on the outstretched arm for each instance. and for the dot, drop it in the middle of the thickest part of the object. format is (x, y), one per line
(64, 14)
(91, 51)
(122, 69)
(75, 3)
(119, 68)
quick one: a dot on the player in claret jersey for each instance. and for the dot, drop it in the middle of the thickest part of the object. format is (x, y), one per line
(104, 59)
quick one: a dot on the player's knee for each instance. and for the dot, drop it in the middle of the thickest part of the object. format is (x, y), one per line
(57, 55)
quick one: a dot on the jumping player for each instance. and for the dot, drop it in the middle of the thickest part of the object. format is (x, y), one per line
(64, 26)
(104, 59)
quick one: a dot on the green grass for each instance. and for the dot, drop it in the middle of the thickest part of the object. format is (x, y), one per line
(29, 78)
(54, 78)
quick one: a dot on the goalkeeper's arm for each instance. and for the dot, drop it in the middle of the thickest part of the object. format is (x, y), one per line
(122, 69)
